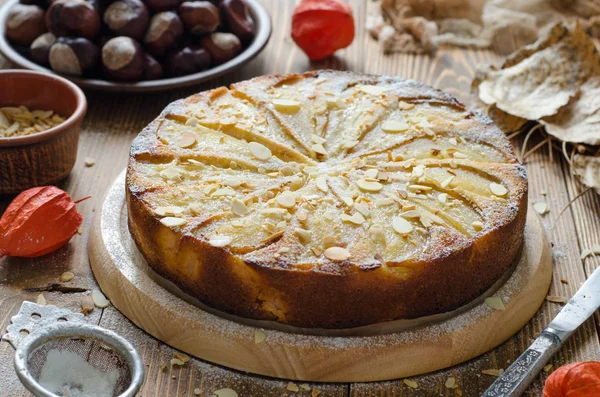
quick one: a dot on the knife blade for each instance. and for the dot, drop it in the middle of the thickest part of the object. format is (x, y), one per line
(515, 380)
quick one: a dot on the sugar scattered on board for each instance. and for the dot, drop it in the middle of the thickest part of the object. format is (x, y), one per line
(68, 374)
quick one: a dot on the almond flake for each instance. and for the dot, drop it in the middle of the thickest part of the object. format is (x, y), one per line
(477, 225)
(187, 139)
(286, 105)
(219, 240)
(225, 191)
(349, 144)
(443, 198)
(191, 122)
(315, 392)
(286, 199)
(450, 383)
(401, 225)
(586, 252)
(322, 184)
(41, 300)
(541, 207)
(305, 386)
(197, 391)
(89, 162)
(405, 105)
(227, 392)
(304, 235)
(419, 170)
(337, 254)
(363, 208)
(356, 218)
(259, 336)
(372, 90)
(181, 356)
(348, 201)
(371, 173)
(369, 186)
(165, 211)
(170, 221)
(334, 103)
(87, 305)
(232, 182)
(66, 277)
(495, 303)
(99, 299)
(556, 299)
(446, 182)
(317, 139)
(453, 141)
(459, 155)
(419, 188)
(384, 202)
(238, 207)
(259, 151)
(411, 383)
(291, 386)
(393, 127)
(493, 372)
(318, 147)
(548, 367)
(329, 241)
(316, 251)
(498, 190)
(596, 249)
(175, 361)
(411, 214)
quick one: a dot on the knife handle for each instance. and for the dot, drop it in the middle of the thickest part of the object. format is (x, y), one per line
(515, 380)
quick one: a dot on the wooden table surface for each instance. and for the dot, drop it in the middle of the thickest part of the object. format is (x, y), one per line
(114, 120)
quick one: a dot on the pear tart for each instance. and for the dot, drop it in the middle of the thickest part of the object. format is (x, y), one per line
(326, 199)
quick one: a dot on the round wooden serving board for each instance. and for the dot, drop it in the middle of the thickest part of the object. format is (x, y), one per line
(122, 274)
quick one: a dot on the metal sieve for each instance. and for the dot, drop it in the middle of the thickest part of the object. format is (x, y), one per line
(59, 354)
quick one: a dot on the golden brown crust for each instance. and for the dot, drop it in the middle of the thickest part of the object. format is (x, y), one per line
(443, 266)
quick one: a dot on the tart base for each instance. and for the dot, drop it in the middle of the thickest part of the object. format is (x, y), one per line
(120, 270)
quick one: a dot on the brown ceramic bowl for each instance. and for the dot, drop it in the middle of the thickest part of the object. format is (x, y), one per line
(46, 157)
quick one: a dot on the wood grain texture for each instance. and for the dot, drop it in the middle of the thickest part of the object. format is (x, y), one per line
(114, 120)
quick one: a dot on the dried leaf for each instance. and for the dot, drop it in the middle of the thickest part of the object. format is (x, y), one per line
(538, 80)
(587, 168)
(555, 81)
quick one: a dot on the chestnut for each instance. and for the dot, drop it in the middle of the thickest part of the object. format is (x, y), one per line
(123, 59)
(24, 23)
(40, 48)
(73, 18)
(199, 17)
(165, 30)
(127, 18)
(187, 60)
(161, 5)
(152, 69)
(221, 46)
(238, 18)
(73, 55)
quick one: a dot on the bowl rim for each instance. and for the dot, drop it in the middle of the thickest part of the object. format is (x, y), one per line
(259, 13)
(75, 117)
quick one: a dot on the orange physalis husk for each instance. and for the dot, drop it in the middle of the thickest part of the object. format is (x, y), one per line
(574, 380)
(38, 221)
(321, 27)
